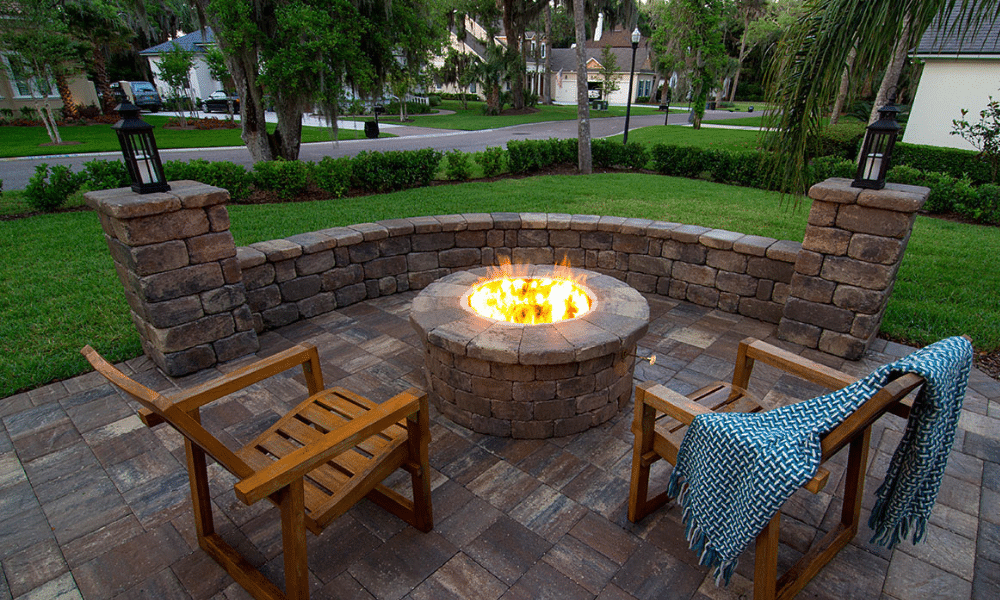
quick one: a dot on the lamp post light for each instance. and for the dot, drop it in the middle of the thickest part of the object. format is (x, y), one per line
(876, 152)
(631, 77)
(142, 159)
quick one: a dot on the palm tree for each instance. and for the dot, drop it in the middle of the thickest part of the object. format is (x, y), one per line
(807, 75)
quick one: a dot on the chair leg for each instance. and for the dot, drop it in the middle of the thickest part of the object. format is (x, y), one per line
(201, 498)
(291, 501)
(639, 503)
(419, 435)
(765, 572)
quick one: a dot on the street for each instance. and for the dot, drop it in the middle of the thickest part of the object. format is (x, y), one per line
(16, 172)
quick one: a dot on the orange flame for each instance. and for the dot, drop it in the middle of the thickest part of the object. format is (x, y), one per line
(529, 300)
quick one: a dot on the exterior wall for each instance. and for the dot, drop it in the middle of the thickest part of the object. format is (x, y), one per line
(945, 88)
(566, 92)
(83, 90)
(202, 84)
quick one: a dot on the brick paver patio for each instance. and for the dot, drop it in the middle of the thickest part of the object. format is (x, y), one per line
(94, 505)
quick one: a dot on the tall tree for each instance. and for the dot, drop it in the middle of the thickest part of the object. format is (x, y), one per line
(805, 79)
(175, 69)
(585, 161)
(516, 16)
(609, 72)
(747, 11)
(101, 26)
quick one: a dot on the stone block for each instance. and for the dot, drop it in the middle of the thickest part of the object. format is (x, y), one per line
(313, 242)
(372, 288)
(585, 222)
(876, 249)
(823, 214)
(727, 260)
(280, 315)
(760, 309)
(720, 239)
(178, 364)
(678, 289)
(284, 270)
(393, 246)
(300, 287)
(606, 259)
(485, 389)
(261, 299)
(350, 294)
(812, 289)
(422, 279)
(857, 273)
(835, 189)
(123, 203)
(532, 237)
(223, 299)
(784, 250)
(896, 197)
(576, 424)
(558, 221)
(538, 256)
(689, 234)
(885, 223)
(244, 319)
(343, 236)
(154, 258)
(203, 331)
(642, 282)
(425, 224)
(652, 265)
(703, 296)
(278, 250)
(696, 274)
(660, 230)
(765, 268)
(635, 244)
(363, 252)
(334, 279)
(231, 271)
(513, 411)
(842, 345)
(258, 276)
(431, 242)
(218, 218)
(250, 257)
(506, 220)
(809, 263)
(596, 240)
(780, 293)
(238, 345)
(564, 238)
(754, 245)
(172, 312)
(387, 285)
(384, 267)
(799, 333)
(154, 229)
(859, 299)
(729, 302)
(470, 239)
(371, 232)
(736, 283)
(694, 254)
(821, 315)
(180, 282)
(317, 262)
(194, 194)
(534, 391)
(318, 304)
(572, 256)
(460, 257)
(634, 226)
(211, 247)
(494, 238)
(831, 241)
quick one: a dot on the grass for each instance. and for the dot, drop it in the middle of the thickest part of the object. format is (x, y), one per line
(724, 139)
(743, 121)
(473, 119)
(59, 291)
(28, 141)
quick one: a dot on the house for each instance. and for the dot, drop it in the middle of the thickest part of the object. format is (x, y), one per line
(959, 73)
(17, 92)
(202, 84)
(564, 67)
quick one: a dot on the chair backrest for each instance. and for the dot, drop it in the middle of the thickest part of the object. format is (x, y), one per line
(187, 425)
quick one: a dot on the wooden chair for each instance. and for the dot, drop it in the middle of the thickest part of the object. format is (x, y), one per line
(315, 463)
(662, 416)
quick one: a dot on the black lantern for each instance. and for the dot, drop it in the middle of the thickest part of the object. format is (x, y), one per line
(876, 153)
(142, 159)
(631, 76)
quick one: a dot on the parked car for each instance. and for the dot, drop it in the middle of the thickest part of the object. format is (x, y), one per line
(219, 102)
(140, 93)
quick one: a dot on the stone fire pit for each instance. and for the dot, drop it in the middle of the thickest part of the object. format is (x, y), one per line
(529, 381)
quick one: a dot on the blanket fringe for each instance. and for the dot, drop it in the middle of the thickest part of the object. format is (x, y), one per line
(700, 544)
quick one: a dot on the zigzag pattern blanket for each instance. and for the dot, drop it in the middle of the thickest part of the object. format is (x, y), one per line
(734, 471)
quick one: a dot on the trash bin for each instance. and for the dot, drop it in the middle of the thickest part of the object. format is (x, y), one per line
(371, 130)
(710, 105)
(750, 109)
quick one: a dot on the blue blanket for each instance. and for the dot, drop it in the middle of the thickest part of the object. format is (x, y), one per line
(735, 470)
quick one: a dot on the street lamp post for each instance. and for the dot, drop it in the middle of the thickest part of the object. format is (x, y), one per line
(631, 77)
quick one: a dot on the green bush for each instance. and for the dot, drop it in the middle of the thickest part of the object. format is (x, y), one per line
(458, 166)
(333, 175)
(824, 167)
(434, 99)
(492, 160)
(842, 140)
(47, 192)
(104, 174)
(952, 161)
(226, 175)
(986, 209)
(948, 194)
(526, 156)
(288, 178)
(394, 170)
(608, 153)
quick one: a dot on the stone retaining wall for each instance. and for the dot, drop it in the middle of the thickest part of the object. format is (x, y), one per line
(308, 274)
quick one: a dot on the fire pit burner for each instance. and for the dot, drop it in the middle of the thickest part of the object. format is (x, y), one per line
(530, 381)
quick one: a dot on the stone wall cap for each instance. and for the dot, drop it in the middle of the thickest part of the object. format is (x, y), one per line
(313, 242)
(559, 221)
(278, 250)
(370, 232)
(895, 196)
(397, 227)
(425, 224)
(720, 239)
(635, 226)
(250, 257)
(343, 236)
(506, 220)
(194, 194)
(585, 222)
(784, 250)
(661, 229)
(609, 223)
(123, 203)
(478, 221)
(755, 245)
(689, 234)
(835, 189)
(534, 220)
(452, 222)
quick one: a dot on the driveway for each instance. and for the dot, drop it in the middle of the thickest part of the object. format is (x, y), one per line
(16, 172)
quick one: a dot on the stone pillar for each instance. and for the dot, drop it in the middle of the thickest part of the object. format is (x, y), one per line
(176, 258)
(853, 246)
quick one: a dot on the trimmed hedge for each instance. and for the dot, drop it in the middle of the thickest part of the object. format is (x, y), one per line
(394, 170)
(954, 162)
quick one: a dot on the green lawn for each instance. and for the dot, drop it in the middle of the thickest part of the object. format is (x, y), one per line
(32, 141)
(59, 291)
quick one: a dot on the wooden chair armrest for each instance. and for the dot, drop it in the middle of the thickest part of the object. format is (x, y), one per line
(302, 354)
(295, 465)
(799, 366)
(668, 401)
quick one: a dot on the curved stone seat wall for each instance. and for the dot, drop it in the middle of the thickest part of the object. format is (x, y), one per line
(312, 273)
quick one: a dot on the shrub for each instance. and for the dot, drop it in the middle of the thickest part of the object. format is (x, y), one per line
(333, 175)
(678, 161)
(824, 167)
(987, 205)
(842, 140)
(104, 174)
(288, 178)
(458, 166)
(434, 99)
(395, 170)
(47, 192)
(492, 160)
(608, 153)
(526, 156)
(226, 175)
(952, 161)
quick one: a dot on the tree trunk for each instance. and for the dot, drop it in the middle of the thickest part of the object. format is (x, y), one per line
(584, 157)
(547, 81)
(287, 137)
(70, 113)
(845, 86)
(892, 71)
(100, 66)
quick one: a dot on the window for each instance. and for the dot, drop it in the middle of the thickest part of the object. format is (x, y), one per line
(472, 87)
(543, 50)
(22, 86)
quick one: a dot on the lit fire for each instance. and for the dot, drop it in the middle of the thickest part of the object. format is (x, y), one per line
(529, 300)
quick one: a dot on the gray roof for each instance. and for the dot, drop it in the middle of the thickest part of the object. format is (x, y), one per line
(950, 36)
(194, 42)
(565, 58)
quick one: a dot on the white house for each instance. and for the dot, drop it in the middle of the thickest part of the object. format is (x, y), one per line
(958, 73)
(202, 84)
(564, 67)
